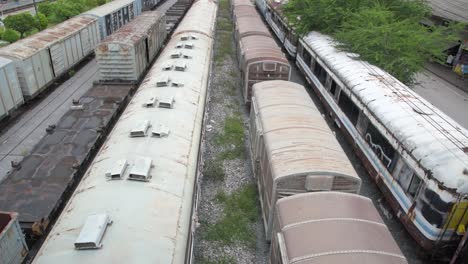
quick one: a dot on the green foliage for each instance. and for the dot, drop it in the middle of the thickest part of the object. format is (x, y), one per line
(62, 10)
(240, 212)
(41, 21)
(232, 138)
(2, 30)
(386, 33)
(22, 22)
(10, 35)
(213, 169)
(219, 260)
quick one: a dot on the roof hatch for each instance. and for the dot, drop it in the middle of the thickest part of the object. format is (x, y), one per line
(92, 232)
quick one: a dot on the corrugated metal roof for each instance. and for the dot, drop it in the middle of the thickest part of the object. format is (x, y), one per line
(135, 30)
(151, 219)
(456, 10)
(332, 227)
(432, 137)
(110, 7)
(257, 48)
(26, 47)
(297, 138)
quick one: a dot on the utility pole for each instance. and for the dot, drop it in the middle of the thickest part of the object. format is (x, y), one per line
(35, 6)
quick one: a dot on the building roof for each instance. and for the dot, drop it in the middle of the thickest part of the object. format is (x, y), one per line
(334, 228)
(297, 138)
(456, 10)
(437, 142)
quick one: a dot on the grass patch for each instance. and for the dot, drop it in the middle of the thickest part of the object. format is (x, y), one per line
(240, 212)
(219, 260)
(229, 87)
(225, 46)
(232, 138)
(213, 169)
(224, 24)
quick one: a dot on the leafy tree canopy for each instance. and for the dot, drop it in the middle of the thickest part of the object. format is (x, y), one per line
(386, 33)
(10, 35)
(22, 22)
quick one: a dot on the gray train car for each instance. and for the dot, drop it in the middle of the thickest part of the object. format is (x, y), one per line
(43, 57)
(11, 96)
(114, 15)
(126, 54)
(331, 228)
(13, 248)
(293, 149)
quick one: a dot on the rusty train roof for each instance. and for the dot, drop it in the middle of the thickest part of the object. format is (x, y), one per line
(249, 26)
(37, 188)
(236, 3)
(297, 138)
(28, 46)
(333, 227)
(245, 11)
(257, 48)
(136, 29)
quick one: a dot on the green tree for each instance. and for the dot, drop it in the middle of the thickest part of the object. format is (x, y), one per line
(10, 35)
(386, 33)
(22, 22)
(41, 21)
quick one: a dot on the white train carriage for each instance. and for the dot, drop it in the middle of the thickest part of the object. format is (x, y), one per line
(11, 96)
(43, 57)
(417, 155)
(275, 18)
(293, 150)
(115, 14)
(144, 177)
(127, 54)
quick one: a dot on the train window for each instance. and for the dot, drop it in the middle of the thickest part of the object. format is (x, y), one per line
(300, 49)
(348, 107)
(320, 73)
(380, 145)
(362, 123)
(269, 66)
(414, 185)
(307, 57)
(333, 87)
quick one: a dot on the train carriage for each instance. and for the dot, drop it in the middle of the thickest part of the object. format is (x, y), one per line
(144, 177)
(332, 228)
(293, 149)
(417, 155)
(11, 96)
(126, 54)
(45, 56)
(114, 15)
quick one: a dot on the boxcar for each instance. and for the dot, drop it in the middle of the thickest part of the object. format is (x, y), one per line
(10, 91)
(114, 15)
(416, 154)
(43, 57)
(332, 228)
(13, 248)
(126, 54)
(144, 179)
(293, 149)
(259, 56)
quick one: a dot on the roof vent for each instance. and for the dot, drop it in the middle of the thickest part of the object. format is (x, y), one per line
(161, 131)
(166, 102)
(92, 232)
(187, 57)
(183, 38)
(177, 84)
(179, 45)
(165, 81)
(141, 169)
(189, 45)
(151, 102)
(117, 171)
(318, 183)
(167, 67)
(76, 105)
(140, 129)
(180, 66)
(176, 55)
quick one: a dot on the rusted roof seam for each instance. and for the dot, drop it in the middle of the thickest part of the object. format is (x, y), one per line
(356, 251)
(286, 227)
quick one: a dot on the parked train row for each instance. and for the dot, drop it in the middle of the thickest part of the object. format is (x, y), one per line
(143, 179)
(417, 155)
(30, 65)
(38, 187)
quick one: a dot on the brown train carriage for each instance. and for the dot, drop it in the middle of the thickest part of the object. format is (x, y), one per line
(332, 228)
(260, 59)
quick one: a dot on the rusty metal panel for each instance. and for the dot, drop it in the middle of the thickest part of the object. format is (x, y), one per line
(126, 54)
(13, 248)
(332, 228)
(38, 189)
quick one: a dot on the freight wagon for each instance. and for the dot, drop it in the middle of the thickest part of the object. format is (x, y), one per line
(126, 54)
(11, 96)
(13, 248)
